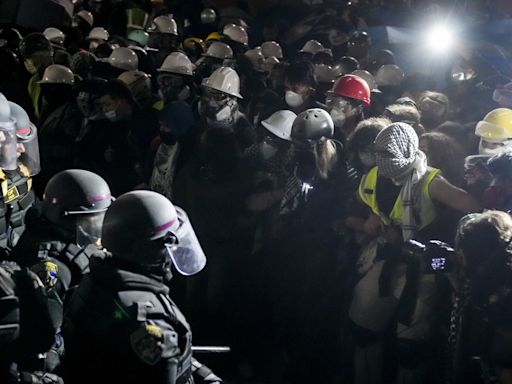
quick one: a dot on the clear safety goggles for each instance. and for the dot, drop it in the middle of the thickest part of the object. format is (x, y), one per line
(337, 102)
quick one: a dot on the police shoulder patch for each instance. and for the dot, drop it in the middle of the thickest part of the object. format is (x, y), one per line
(147, 343)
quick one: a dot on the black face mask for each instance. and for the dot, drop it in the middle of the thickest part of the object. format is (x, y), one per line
(56, 94)
(167, 138)
(306, 166)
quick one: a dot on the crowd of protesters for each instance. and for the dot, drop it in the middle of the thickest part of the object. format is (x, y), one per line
(353, 209)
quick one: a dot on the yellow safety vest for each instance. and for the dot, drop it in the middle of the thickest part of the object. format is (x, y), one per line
(421, 196)
(158, 105)
(34, 91)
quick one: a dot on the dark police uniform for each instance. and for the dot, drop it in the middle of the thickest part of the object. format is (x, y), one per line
(18, 197)
(121, 326)
(26, 326)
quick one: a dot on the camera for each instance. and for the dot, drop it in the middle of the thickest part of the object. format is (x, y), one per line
(436, 256)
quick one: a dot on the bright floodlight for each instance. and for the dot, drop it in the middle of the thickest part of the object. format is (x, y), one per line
(440, 39)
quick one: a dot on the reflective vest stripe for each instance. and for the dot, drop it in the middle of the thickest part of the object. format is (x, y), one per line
(367, 193)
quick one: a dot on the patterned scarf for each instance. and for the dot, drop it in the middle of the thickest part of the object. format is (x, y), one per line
(399, 158)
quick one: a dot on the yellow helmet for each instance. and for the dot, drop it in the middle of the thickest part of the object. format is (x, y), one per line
(496, 125)
(189, 42)
(213, 36)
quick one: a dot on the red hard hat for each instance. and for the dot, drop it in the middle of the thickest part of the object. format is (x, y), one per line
(352, 86)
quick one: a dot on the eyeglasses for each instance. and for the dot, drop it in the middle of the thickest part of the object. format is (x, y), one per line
(213, 94)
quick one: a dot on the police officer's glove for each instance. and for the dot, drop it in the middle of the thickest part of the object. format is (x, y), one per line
(203, 374)
(39, 377)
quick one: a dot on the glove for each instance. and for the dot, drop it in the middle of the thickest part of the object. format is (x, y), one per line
(204, 374)
(39, 377)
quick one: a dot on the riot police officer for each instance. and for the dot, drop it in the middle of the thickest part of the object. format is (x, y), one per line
(25, 322)
(69, 224)
(15, 177)
(122, 310)
(20, 196)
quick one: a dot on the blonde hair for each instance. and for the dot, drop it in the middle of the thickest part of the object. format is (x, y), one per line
(326, 156)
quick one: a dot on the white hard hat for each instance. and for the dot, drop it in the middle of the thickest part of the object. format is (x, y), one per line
(236, 33)
(139, 83)
(225, 79)
(57, 74)
(219, 50)
(256, 57)
(54, 35)
(164, 24)
(177, 62)
(271, 48)
(327, 51)
(312, 46)
(325, 73)
(140, 36)
(98, 33)
(208, 16)
(123, 58)
(389, 75)
(86, 16)
(130, 77)
(270, 62)
(280, 124)
(366, 76)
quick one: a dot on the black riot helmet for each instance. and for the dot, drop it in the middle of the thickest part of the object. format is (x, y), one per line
(312, 125)
(10, 38)
(76, 200)
(144, 228)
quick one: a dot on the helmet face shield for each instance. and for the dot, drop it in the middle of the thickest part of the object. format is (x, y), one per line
(186, 253)
(30, 154)
(8, 146)
(88, 228)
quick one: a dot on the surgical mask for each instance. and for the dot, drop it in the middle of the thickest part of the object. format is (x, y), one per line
(293, 99)
(223, 114)
(338, 117)
(30, 67)
(499, 147)
(267, 150)
(93, 45)
(112, 116)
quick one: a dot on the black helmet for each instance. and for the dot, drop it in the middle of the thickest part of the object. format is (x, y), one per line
(360, 38)
(10, 38)
(35, 43)
(312, 125)
(145, 228)
(76, 199)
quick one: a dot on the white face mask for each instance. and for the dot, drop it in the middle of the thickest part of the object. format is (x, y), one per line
(111, 115)
(93, 45)
(293, 99)
(223, 114)
(338, 117)
(485, 150)
(267, 151)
